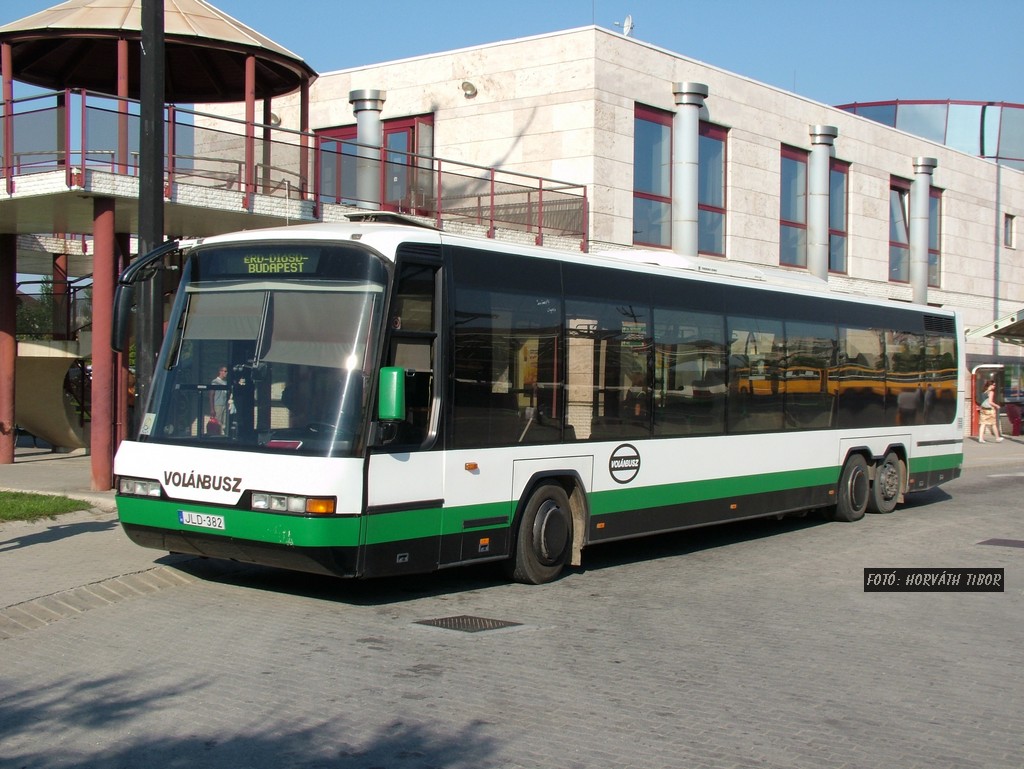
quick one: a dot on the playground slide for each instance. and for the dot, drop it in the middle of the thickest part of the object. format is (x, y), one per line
(40, 405)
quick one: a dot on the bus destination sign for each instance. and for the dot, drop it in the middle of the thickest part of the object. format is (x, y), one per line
(275, 264)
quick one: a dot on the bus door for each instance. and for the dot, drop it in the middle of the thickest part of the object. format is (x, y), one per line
(405, 479)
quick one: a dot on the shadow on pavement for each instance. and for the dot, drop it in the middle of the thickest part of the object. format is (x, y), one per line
(335, 740)
(56, 532)
(389, 590)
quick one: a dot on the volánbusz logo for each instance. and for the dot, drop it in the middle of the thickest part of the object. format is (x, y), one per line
(624, 464)
(193, 480)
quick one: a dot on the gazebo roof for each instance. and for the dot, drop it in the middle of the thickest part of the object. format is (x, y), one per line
(74, 45)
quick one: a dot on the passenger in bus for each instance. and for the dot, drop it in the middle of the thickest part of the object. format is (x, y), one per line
(218, 403)
(906, 403)
(297, 397)
(636, 395)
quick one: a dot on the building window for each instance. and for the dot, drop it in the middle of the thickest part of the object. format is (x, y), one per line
(899, 231)
(711, 190)
(838, 186)
(652, 177)
(934, 254)
(793, 208)
(1009, 222)
(409, 182)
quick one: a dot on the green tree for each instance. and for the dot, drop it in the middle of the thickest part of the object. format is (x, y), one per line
(34, 312)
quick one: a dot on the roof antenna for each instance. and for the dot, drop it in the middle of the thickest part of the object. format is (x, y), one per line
(627, 25)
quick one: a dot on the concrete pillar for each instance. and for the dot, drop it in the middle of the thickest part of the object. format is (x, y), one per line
(304, 139)
(266, 178)
(104, 379)
(6, 72)
(250, 130)
(685, 166)
(822, 137)
(122, 419)
(122, 106)
(8, 342)
(920, 191)
(367, 105)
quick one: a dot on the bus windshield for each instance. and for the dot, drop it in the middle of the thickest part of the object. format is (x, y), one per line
(270, 348)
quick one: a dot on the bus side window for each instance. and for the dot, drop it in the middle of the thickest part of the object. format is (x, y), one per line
(414, 346)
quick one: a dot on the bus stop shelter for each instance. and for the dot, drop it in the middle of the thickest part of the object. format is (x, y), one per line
(1008, 329)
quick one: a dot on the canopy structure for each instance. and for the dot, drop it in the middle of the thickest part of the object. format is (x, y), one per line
(75, 45)
(1009, 329)
(95, 46)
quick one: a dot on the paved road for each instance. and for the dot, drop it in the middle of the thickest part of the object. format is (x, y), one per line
(740, 646)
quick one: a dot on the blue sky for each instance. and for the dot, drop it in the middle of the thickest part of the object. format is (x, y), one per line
(833, 52)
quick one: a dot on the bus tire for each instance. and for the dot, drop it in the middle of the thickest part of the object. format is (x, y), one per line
(887, 486)
(544, 537)
(854, 490)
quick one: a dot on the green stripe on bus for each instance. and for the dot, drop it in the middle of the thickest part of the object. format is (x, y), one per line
(618, 501)
(392, 527)
(295, 530)
(341, 531)
(941, 462)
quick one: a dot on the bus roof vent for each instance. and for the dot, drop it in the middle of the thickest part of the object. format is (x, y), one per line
(721, 268)
(387, 217)
(939, 324)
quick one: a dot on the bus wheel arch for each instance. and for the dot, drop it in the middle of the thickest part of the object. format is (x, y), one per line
(548, 530)
(854, 490)
(889, 479)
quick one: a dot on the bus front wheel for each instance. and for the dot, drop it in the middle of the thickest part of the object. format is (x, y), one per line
(854, 490)
(887, 486)
(544, 539)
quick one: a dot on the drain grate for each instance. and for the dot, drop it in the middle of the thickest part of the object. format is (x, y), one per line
(1003, 542)
(464, 623)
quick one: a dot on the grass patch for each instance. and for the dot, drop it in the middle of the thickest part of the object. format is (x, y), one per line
(23, 506)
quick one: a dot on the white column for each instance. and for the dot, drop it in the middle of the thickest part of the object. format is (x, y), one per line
(367, 104)
(822, 137)
(685, 168)
(919, 194)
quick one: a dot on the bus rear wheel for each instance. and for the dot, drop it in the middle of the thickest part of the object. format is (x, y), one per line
(887, 486)
(854, 490)
(544, 538)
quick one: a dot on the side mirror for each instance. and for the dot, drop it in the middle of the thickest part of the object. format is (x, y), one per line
(124, 298)
(391, 394)
(141, 269)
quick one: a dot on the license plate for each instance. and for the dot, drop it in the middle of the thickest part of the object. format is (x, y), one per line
(205, 520)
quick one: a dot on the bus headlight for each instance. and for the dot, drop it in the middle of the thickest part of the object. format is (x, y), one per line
(286, 503)
(139, 487)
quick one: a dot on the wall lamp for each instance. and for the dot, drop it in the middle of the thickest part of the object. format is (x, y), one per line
(468, 89)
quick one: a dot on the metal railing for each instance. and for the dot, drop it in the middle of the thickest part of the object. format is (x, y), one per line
(53, 310)
(78, 131)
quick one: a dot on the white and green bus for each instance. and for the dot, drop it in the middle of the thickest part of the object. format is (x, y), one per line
(376, 398)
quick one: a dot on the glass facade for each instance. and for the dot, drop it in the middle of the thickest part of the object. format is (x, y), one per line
(989, 129)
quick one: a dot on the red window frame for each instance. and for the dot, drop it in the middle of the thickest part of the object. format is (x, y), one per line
(902, 186)
(802, 157)
(840, 167)
(718, 133)
(659, 117)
